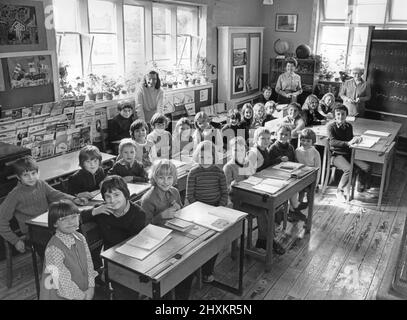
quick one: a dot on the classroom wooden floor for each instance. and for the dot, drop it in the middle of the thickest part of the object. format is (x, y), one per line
(344, 257)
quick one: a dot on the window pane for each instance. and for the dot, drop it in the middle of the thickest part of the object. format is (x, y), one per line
(104, 49)
(334, 35)
(183, 47)
(161, 20)
(133, 36)
(161, 47)
(65, 18)
(186, 20)
(336, 9)
(109, 70)
(335, 54)
(357, 57)
(360, 36)
(101, 16)
(399, 10)
(369, 11)
(69, 53)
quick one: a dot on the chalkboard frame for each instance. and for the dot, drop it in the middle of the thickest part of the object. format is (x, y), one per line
(21, 97)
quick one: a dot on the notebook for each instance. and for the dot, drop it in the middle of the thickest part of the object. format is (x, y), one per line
(179, 224)
(150, 237)
(288, 166)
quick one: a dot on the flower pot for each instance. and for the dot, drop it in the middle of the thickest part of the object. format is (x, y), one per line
(193, 81)
(107, 96)
(170, 86)
(99, 96)
(186, 82)
(92, 96)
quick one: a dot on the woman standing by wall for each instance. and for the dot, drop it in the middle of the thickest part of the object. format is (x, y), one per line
(288, 85)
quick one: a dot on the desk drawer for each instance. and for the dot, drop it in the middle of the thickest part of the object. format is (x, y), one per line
(129, 279)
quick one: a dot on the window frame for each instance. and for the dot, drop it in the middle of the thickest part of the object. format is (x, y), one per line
(83, 30)
(349, 23)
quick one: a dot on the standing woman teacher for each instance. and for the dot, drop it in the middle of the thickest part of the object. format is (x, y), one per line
(288, 85)
(149, 97)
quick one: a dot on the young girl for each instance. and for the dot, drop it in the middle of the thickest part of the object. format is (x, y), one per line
(308, 155)
(182, 141)
(68, 268)
(161, 202)
(138, 132)
(206, 182)
(259, 116)
(127, 166)
(295, 121)
(247, 119)
(258, 156)
(236, 168)
(310, 112)
(204, 131)
(230, 130)
(271, 110)
(267, 91)
(88, 178)
(326, 105)
(159, 137)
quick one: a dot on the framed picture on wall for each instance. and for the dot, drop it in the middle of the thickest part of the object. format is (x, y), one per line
(239, 79)
(286, 22)
(22, 26)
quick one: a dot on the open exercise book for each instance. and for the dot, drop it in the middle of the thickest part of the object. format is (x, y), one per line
(146, 242)
(368, 141)
(288, 166)
(215, 218)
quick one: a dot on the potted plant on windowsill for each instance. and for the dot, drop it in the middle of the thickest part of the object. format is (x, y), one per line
(94, 87)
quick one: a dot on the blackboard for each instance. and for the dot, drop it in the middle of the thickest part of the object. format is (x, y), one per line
(12, 98)
(387, 70)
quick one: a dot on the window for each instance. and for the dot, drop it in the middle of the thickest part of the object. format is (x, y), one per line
(118, 37)
(343, 28)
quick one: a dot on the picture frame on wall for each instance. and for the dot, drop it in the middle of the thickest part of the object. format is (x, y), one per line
(286, 22)
(239, 79)
(22, 26)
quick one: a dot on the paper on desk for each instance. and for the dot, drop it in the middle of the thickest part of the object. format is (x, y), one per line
(288, 166)
(266, 188)
(276, 183)
(150, 237)
(136, 252)
(253, 180)
(368, 141)
(377, 133)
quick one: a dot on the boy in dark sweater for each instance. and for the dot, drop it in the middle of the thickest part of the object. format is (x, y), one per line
(340, 135)
(27, 200)
(119, 126)
(230, 130)
(87, 180)
(282, 150)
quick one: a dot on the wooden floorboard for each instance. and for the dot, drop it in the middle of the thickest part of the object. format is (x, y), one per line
(344, 257)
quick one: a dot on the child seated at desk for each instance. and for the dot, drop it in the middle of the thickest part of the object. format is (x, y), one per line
(161, 202)
(159, 137)
(326, 105)
(340, 136)
(259, 116)
(127, 166)
(27, 200)
(295, 121)
(182, 141)
(246, 122)
(68, 268)
(118, 127)
(206, 182)
(138, 132)
(310, 111)
(87, 179)
(309, 156)
(230, 130)
(271, 110)
(266, 96)
(206, 132)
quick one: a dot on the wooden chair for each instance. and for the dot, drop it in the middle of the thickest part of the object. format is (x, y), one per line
(9, 253)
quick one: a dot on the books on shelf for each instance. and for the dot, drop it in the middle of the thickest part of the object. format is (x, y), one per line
(215, 218)
(146, 242)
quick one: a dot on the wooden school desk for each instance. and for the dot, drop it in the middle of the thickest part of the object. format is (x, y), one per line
(174, 261)
(64, 165)
(244, 193)
(382, 152)
(40, 234)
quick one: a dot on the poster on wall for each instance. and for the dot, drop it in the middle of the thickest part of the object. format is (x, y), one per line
(239, 79)
(239, 57)
(29, 71)
(22, 26)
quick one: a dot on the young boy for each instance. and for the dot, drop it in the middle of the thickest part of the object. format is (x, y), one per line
(340, 135)
(230, 130)
(295, 120)
(87, 179)
(309, 156)
(159, 137)
(267, 92)
(138, 132)
(118, 127)
(30, 198)
(282, 150)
